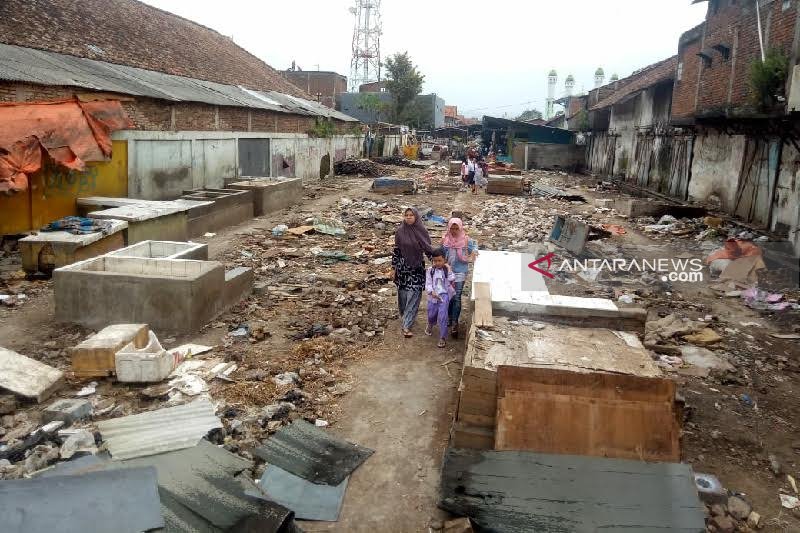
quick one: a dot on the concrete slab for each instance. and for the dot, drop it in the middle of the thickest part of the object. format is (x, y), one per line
(28, 378)
(52, 249)
(272, 194)
(150, 220)
(67, 410)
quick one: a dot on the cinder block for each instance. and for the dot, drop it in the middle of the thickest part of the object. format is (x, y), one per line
(67, 410)
(94, 357)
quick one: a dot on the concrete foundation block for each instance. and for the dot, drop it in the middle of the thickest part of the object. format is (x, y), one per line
(272, 194)
(67, 410)
(238, 285)
(220, 209)
(164, 250)
(95, 357)
(174, 296)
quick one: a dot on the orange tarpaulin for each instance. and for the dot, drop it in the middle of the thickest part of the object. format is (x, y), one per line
(69, 131)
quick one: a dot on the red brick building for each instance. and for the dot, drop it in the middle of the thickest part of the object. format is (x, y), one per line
(322, 85)
(204, 110)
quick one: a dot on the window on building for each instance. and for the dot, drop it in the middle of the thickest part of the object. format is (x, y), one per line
(679, 74)
(787, 4)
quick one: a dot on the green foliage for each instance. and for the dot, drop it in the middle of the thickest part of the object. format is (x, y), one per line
(404, 81)
(530, 114)
(323, 128)
(767, 78)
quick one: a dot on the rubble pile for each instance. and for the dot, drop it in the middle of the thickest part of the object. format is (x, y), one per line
(363, 167)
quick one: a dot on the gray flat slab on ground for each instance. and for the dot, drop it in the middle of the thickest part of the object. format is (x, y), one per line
(309, 501)
(124, 501)
(26, 377)
(312, 453)
(522, 492)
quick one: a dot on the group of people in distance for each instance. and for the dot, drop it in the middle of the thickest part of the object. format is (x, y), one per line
(442, 282)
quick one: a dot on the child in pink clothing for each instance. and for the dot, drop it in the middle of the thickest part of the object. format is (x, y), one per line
(439, 281)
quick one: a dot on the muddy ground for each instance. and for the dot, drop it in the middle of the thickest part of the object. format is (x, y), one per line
(325, 309)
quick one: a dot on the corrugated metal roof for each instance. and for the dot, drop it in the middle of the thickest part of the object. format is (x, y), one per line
(163, 430)
(50, 68)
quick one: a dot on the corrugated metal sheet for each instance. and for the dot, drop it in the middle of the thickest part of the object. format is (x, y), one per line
(158, 431)
(49, 68)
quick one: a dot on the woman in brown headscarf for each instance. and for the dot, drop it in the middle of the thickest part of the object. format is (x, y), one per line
(411, 243)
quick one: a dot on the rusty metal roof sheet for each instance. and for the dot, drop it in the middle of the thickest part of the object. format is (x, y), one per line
(49, 68)
(159, 431)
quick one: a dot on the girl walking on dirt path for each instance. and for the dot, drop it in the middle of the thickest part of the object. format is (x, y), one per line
(460, 251)
(411, 243)
(439, 280)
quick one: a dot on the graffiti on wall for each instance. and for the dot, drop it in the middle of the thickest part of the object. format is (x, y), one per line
(59, 181)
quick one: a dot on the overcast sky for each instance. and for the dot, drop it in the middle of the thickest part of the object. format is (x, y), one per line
(487, 57)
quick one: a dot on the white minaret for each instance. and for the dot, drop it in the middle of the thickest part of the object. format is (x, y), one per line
(569, 85)
(552, 81)
(599, 77)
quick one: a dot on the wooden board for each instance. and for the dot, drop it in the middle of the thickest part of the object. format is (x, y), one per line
(28, 378)
(483, 305)
(95, 357)
(578, 413)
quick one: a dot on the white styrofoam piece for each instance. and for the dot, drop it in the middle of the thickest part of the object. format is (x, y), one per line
(147, 365)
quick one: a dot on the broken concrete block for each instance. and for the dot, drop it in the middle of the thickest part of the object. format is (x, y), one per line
(754, 520)
(739, 508)
(604, 202)
(67, 410)
(145, 365)
(28, 378)
(8, 404)
(94, 357)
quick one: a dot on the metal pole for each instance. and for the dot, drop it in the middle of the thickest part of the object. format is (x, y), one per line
(760, 36)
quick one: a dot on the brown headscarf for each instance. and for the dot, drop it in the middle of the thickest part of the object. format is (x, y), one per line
(413, 240)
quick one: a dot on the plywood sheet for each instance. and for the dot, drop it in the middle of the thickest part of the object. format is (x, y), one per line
(483, 305)
(524, 343)
(601, 415)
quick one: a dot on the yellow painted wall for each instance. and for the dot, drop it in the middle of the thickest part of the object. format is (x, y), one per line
(53, 191)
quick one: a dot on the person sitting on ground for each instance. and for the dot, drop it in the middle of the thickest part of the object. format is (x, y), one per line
(411, 243)
(460, 251)
(439, 280)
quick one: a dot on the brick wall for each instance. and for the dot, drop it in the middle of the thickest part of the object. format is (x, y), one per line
(157, 115)
(725, 83)
(327, 84)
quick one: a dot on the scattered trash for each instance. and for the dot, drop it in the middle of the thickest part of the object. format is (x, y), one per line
(146, 365)
(329, 227)
(789, 502)
(208, 234)
(88, 390)
(280, 230)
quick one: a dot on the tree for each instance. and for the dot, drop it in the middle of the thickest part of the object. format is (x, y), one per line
(404, 81)
(372, 104)
(530, 114)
